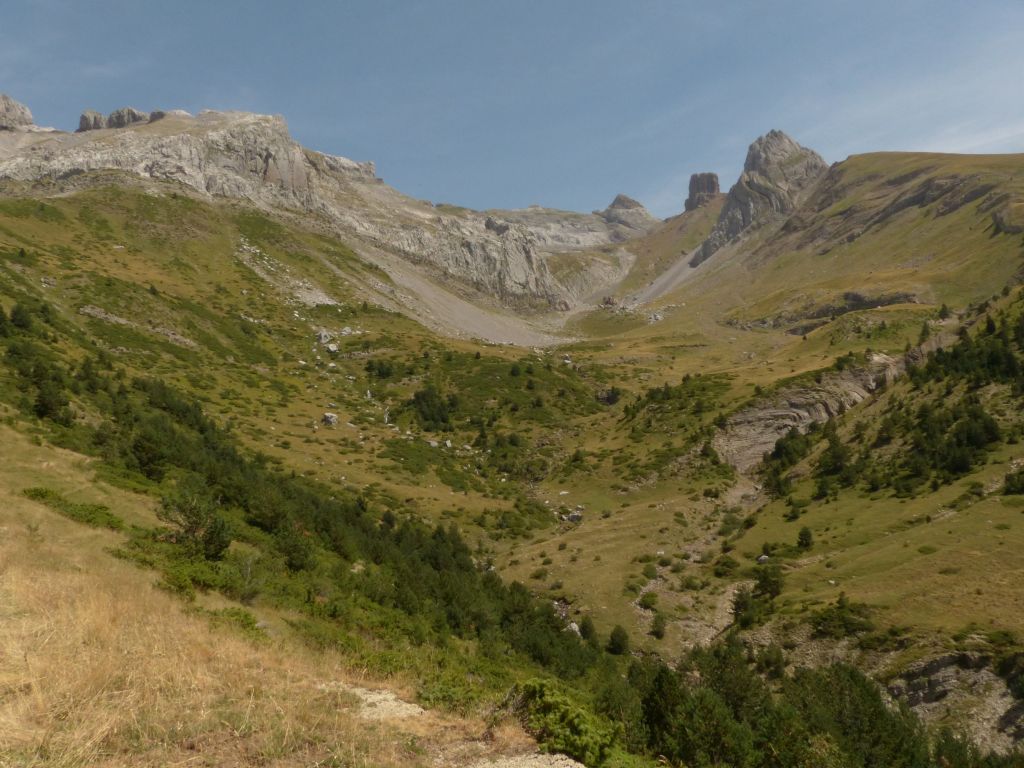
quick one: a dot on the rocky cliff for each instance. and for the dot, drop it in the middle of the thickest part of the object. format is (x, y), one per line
(777, 174)
(254, 158)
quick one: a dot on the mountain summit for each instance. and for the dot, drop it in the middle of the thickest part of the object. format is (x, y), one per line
(777, 174)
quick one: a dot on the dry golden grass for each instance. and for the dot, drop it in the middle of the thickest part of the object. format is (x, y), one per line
(100, 669)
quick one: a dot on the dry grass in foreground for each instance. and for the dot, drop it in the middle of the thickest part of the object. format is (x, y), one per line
(98, 668)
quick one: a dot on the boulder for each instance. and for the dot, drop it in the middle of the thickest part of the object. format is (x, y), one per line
(91, 120)
(703, 189)
(329, 419)
(13, 114)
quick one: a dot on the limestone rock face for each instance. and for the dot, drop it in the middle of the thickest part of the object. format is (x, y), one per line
(752, 432)
(628, 216)
(253, 158)
(13, 114)
(91, 120)
(122, 118)
(776, 176)
(703, 189)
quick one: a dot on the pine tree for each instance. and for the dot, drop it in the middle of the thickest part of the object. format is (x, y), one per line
(618, 641)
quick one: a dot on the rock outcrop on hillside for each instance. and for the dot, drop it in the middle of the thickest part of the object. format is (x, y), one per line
(776, 176)
(752, 432)
(254, 158)
(122, 118)
(628, 216)
(91, 120)
(13, 114)
(703, 189)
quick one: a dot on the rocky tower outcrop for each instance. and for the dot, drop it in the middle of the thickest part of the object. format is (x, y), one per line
(776, 176)
(13, 114)
(703, 189)
(91, 120)
(122, 118)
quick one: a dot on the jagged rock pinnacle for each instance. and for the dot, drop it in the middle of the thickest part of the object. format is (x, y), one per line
(777, 174)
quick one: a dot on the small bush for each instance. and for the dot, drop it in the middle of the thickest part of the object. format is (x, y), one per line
(561, 725)
(842, 619)
(96, 515)
(618, 641)
(1014, 483)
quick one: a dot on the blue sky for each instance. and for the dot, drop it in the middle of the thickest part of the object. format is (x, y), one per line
(558, 102)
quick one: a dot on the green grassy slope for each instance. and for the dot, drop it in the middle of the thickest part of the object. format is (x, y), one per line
(585, 472)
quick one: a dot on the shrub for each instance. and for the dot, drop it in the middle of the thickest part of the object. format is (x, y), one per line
(768, 581)
(561, 725)
(842, 619)
(648, 600)
(725, 566)
(432, 409)
(1014, 483)
(96, 515)
(195, 521)
(587, 629)
(21, 318)
(618, 641)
